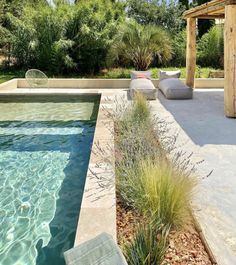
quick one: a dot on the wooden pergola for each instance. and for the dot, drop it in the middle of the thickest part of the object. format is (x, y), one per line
(216, 9)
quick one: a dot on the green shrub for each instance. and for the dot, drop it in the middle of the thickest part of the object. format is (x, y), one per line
(20, 36)
(147, 247)
(140, 45)
(38, 37)
(211, 48)
(52, 45)
(62, 37)
(92, 27)
(179, 42)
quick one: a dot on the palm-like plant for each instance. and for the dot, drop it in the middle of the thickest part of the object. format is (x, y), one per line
(141, 44)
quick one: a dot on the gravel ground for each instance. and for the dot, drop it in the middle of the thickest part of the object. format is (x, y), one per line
(185, 247)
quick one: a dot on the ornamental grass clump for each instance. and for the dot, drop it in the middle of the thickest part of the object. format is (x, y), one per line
(159, 191)
(147, 247)
(140, 109)
(163, 193)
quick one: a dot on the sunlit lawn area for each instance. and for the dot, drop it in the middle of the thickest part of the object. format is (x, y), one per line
(7, 75)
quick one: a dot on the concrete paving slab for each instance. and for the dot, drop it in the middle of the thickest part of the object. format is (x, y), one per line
(204, 130)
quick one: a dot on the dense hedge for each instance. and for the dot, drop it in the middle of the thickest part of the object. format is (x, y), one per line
(64, 37)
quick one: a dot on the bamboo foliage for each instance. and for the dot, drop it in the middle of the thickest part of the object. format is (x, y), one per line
(62, 37)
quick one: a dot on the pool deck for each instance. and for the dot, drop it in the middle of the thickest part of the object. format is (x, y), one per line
(204, 130)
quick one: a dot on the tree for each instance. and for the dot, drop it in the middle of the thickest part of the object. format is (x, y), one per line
(167, 14)
(204, 24)
(92, 28)
(211, 47)
(179, 44)
(62, 36)
(184, 3)
(141, 44)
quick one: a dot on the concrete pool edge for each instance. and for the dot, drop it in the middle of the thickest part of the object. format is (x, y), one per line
(98, 208)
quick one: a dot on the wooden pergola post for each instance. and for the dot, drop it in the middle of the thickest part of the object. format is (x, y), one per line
(230, 61)
(191, 52)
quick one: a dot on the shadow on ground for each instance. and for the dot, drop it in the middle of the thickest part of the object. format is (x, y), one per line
(202, 118)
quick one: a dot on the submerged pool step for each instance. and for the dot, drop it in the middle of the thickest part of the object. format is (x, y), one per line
(43, 130)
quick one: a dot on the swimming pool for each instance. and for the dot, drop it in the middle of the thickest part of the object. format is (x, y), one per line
(44, 153)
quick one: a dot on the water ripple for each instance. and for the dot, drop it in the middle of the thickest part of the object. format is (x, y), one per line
(44, 153)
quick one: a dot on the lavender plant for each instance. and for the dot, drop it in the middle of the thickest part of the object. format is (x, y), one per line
(153, 177)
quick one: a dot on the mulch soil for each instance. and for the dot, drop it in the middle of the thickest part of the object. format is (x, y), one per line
(185, 247)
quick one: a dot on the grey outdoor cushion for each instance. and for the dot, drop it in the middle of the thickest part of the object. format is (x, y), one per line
(102, 250)
(143, 86)
(173, 88)
(169, 74)
(138, 74)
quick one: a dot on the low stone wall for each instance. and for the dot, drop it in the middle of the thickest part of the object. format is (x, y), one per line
(115, 83)
(11, 84)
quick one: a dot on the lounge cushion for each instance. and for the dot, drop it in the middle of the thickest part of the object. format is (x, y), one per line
(173, 88)
(140, 74)
(102, 250)
(143, 86)
(169, 74)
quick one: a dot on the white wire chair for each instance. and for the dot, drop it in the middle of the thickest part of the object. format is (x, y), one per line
(36, 78)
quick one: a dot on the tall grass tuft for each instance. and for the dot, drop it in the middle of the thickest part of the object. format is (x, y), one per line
(165, 193)
(147, 247)
(140, 109)
(158, 191)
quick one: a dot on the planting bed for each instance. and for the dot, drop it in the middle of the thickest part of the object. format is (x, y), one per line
(155, 187)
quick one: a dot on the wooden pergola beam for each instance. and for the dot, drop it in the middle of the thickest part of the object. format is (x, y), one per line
(215, 6)
(222, 16)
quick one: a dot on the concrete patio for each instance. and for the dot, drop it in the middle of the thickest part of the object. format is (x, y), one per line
(204, 130)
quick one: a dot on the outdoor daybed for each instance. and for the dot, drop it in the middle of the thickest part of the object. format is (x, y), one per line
(172, 87)
(141, 83)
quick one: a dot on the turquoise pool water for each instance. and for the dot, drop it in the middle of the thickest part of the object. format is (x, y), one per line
(44, 152)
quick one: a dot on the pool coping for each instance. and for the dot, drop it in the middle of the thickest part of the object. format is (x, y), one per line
(98, 206)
